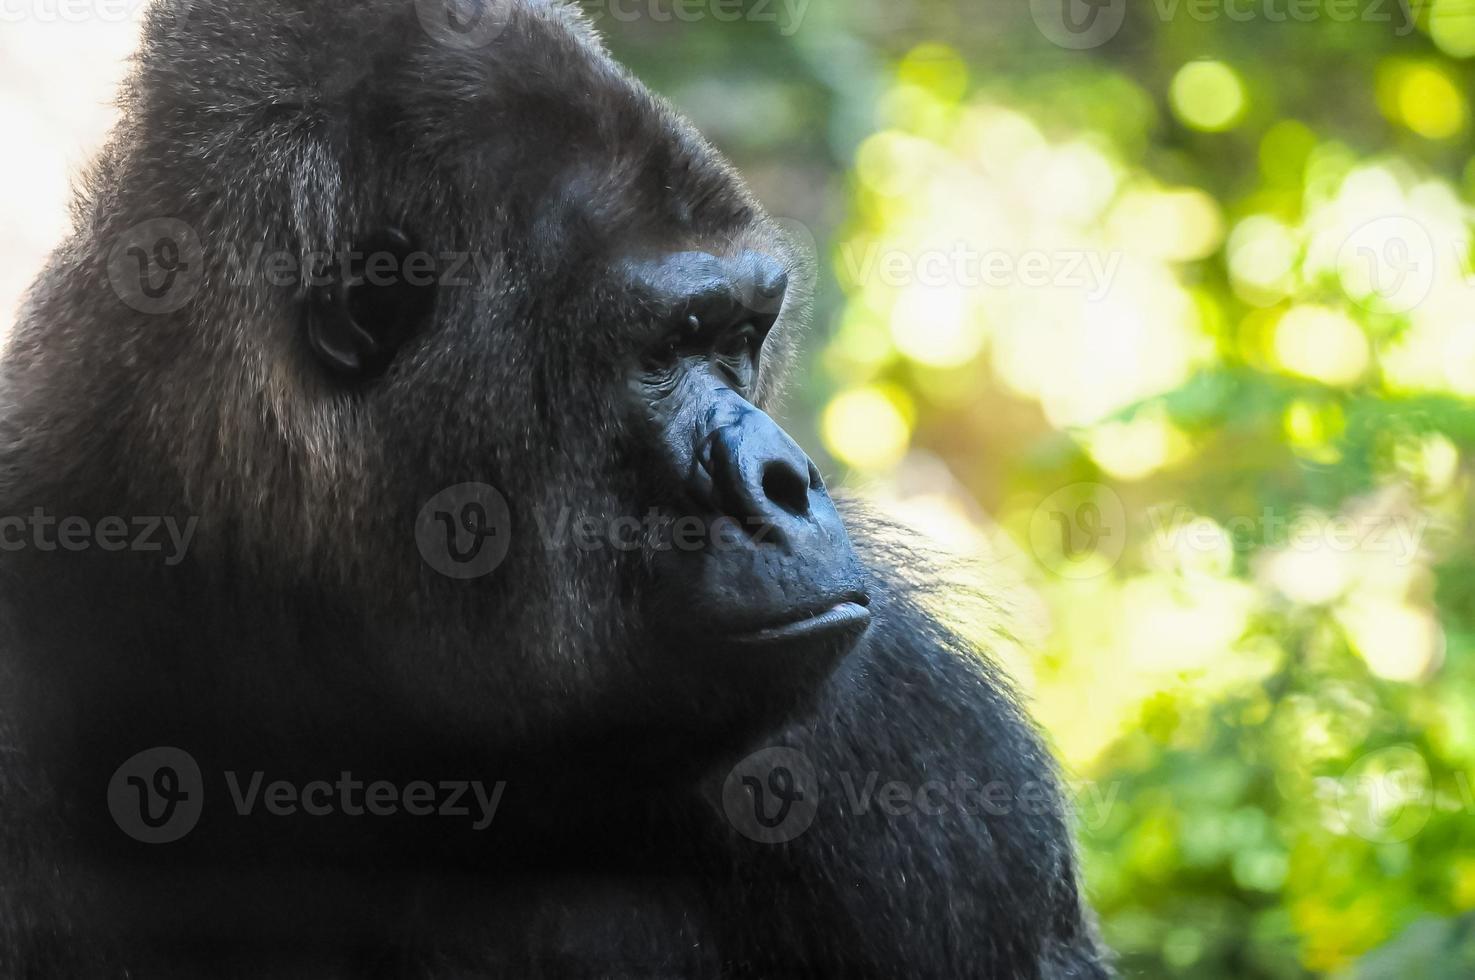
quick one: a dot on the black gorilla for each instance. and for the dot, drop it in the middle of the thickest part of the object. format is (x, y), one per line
(266, 710)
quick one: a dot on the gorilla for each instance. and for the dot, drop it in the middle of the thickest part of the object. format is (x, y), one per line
(402, 574)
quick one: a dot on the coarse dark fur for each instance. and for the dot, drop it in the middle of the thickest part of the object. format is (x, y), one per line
(302, 634)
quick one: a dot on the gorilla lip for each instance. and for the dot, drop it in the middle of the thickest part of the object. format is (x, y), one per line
(846, 616)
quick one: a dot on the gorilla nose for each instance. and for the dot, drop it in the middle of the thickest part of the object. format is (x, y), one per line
(760, 477)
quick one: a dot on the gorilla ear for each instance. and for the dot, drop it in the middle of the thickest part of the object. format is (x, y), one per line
(364, 310)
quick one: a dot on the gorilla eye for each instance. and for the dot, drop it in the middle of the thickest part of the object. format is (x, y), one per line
(736, 351)
(740, 342)
(372, 302)
(662, 357)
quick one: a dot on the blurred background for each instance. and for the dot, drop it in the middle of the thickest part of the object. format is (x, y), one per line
(1159, 317)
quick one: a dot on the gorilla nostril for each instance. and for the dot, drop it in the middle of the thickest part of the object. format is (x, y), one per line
(783, 485)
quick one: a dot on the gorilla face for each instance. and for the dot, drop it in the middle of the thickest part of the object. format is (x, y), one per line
(610, 319)
(741, 588)
(777, 572)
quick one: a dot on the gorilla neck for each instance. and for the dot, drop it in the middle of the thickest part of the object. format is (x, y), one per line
(251, 679)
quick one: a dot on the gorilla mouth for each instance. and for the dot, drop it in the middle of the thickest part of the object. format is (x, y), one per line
(848, 617)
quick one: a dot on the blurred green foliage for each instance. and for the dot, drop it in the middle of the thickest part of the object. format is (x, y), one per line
(1169, 320)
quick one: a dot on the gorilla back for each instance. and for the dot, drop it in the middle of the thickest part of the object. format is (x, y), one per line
(402, 574)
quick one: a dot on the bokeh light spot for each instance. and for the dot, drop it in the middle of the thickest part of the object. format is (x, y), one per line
(936, 68)
(933, 325)
(1178, 225)
(1429, 103)
(1452, 27)
(1136, 448)
(1207, 95)
(1262, 258)
(1321, 343)
(1397, 641)
(867, 427)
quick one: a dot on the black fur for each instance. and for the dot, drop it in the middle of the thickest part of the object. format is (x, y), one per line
(302, 635)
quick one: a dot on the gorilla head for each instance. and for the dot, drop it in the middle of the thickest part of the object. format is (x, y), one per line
(362, 283)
